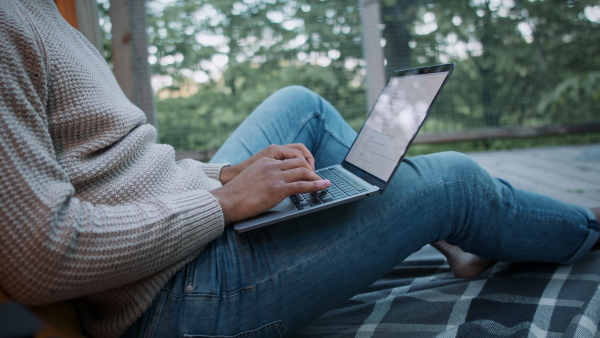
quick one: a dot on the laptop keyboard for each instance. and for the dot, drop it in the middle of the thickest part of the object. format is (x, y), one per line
(341, 186)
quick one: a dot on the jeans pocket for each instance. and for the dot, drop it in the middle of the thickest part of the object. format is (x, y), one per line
(275, 329)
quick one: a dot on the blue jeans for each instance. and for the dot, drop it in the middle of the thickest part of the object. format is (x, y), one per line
(272, 281)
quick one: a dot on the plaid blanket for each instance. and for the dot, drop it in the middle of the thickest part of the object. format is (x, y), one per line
(421, 298)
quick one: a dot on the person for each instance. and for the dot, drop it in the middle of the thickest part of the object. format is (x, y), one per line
(95, 211)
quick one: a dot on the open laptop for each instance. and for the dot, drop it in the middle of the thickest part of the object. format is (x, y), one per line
(378, 150)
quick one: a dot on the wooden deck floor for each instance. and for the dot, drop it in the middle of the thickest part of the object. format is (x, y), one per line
(570, 174)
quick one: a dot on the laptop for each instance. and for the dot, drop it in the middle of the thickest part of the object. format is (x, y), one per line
(377, 151)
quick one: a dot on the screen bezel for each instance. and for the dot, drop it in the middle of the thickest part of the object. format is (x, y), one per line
(449, 67)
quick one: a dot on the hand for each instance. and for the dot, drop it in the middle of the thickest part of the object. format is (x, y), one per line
(265, 183)
(274, 151)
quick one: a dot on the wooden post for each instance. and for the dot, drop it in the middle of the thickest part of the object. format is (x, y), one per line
(82, 15)
(130, 53)
(87, 22)
(376, 78)
(68, 11)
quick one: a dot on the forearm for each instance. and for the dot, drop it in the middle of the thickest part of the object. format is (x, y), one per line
(228, 173)
(74, 248)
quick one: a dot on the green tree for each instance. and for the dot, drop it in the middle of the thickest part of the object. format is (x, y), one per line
(263, 46)
(519, 62)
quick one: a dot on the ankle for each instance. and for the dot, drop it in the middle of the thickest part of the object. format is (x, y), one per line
(596, 212)
(462, 264)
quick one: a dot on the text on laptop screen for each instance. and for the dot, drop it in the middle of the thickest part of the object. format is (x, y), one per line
(394, 120)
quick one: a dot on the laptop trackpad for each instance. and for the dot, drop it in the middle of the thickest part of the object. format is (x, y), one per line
(285, 208)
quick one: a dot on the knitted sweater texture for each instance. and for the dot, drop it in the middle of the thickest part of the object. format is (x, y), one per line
(91, 208)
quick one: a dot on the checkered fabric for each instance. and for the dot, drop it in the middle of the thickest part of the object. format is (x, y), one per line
(421, 298)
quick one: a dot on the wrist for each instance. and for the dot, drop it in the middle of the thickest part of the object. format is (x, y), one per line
(225, 203)
(227, 174)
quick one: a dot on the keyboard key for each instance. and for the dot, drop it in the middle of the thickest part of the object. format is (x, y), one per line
(348, 180)
(341, 187)
(313, 201)
(350, 193)
(327, 198)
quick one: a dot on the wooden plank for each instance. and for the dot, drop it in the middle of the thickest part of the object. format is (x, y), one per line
(526, 184)
(549, 171)
(586, 171)
(548, 182)
(529, 185)
(506, 132)
(548, 179)
(538, 161)
(572, 155)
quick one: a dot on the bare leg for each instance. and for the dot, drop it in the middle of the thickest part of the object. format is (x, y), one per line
(462, 264)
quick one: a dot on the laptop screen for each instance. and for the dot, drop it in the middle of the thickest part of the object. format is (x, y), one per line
(395, 120)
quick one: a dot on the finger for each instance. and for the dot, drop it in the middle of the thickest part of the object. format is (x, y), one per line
(301, 187)
(285, 152)
(294, 150)
(300, 174)
(291, 163)
(308, 156)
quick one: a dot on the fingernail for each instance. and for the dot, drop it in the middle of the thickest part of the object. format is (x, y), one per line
(325, 183)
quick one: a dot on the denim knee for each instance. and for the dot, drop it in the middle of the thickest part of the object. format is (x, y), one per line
(460, 162)
(460, 189)
(296, 91)
(452, 165)
(296, 102)
(298, 95)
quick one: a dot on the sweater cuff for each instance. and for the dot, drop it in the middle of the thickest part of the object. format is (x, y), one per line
(201, 216)
(214, 170)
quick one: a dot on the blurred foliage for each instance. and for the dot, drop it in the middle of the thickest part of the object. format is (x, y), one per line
(519, 62)
(259, 42)
(514, 57)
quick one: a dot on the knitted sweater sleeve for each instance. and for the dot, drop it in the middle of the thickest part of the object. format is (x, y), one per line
(55, 246)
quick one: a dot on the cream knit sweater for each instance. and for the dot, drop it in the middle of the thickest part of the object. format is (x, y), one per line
(91, 208)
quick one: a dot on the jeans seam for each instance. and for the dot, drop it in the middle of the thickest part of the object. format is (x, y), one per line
(318, 115)
(302, 125)
(156, 310)
(336, 136)
(279, 324)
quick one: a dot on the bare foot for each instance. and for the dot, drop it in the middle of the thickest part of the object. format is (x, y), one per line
(462, 264)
